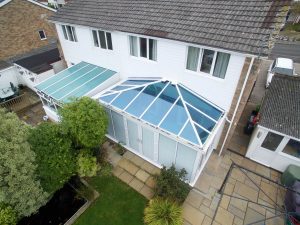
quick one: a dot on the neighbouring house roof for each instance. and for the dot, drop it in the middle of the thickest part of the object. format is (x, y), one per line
(4, 2)
(40, 62)
(74, 82)
(4, 65)
(168, 106)
(237, 25)
(280, 110)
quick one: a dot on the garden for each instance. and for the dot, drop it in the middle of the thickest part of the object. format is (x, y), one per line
(38, 166)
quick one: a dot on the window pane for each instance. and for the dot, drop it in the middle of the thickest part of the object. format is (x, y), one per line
(64, 31)
(109, 42)
(148, 143)
(119, 127)
(207, 59)
(110, 129)
(143, 47)
(96, 42)
(133, 46)
(193, 58)
(74, 34)
(167, 150)
(292, 148)
(133, 135)
(42, 34)
(102, 39)
(221, 65)
(69, 31)
(272, 141)
(152, 49)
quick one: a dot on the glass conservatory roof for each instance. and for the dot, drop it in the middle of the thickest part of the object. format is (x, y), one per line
(75, 81)
(171, 107)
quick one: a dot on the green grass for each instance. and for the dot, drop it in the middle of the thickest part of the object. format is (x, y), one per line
(118, 204)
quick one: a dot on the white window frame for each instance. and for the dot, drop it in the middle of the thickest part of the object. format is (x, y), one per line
(139, 47)
(73, 33)
(45, 38)
(105, 35)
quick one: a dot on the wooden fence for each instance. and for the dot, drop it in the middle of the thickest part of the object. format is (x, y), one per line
(18, 103)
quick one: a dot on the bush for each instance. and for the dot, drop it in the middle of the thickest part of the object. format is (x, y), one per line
(87, 163)
(163, 212)
(170, 184)
(7, 215)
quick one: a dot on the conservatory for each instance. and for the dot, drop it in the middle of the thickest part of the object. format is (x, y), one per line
(163, 122)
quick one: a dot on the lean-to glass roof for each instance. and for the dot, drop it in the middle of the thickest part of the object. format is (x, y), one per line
(75, 81)
(171, 107)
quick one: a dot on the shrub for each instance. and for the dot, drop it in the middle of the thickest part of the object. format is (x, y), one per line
(170, 184)
(87, 163)
(7, 215)
(163, 212)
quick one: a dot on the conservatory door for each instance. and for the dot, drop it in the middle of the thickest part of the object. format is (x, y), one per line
(148, 143)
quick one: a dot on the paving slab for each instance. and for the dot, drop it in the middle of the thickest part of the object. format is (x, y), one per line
(126, 177)
(142, 175)
(150, 182)
(224, 217)
(253, 216)
(147, 192)
(192, 215)
(117, 171)
(136, 184)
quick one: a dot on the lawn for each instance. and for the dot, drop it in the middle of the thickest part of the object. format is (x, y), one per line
(118, 204)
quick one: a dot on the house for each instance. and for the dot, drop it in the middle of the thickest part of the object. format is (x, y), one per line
(28, 40)
(275, 142)
(185, 70)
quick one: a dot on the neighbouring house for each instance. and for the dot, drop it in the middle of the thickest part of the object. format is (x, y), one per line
(173, 76)
(29, 43)
(275, 141)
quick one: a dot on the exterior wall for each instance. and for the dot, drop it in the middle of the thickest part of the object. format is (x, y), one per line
(171, 64)
(8, 75)
(275, 159)
(20, 21)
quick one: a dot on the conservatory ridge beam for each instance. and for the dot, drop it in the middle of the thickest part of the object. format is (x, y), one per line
(72, 81)
(189, 116)
(200, 112)
(154, 100)
(84, 84)
(63, 77)
(162, 120)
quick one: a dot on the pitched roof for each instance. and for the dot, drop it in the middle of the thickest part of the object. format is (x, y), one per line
(280, 110)
(238, 25)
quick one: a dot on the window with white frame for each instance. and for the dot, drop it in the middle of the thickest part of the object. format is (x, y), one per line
(292, 148)
(143, 47)
(42, 35)
(207, 61)
(102, 39)
(69, 33)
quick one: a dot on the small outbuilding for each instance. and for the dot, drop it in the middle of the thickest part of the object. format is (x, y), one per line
(276, 139)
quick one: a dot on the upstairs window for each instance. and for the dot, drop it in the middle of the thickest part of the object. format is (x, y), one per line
(102, 39)
(207, 61)
(42, 35)
(69, 33)
(143, 47)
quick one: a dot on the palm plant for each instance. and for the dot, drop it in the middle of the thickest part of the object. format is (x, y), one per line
(163, 212)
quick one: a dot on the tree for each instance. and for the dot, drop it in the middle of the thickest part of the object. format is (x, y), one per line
(86, 163)
(54, 156)
(7, 215)
(19, 186)
(86, 121)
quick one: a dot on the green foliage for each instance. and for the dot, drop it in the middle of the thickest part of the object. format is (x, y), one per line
(163, 212)
(170, 184)
(293, 27)
(296, 8)
(18, 182)
(86, 121)
(55, 158)
(86, 164)
(106, 169)
(7, 215)
(120, 149)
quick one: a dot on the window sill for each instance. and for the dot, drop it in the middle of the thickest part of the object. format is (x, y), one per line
(142, 59)
(42, 39)
(205, 75)
(103, 49)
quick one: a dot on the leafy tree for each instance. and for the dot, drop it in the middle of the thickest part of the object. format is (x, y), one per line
(19, 186)
(55, 158)
(86, 163)
(86, 121)
(7, 215)
(163, 212)
(170, 184)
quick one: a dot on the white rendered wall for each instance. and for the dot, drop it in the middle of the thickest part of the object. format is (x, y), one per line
(171, 64)
(8, 75)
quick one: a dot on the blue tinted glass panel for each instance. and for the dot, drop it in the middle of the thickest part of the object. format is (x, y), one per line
(201, 119)
(137, 82)
(188, 133)
(201, 133)
(125, 98)
(138, 106)
(176, 119)
(108, 98)
(161, 105)
(200, 104)
(121, 87)
(61, 75)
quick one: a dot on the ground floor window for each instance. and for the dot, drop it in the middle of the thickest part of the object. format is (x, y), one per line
(292, 148)
(272, 141)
